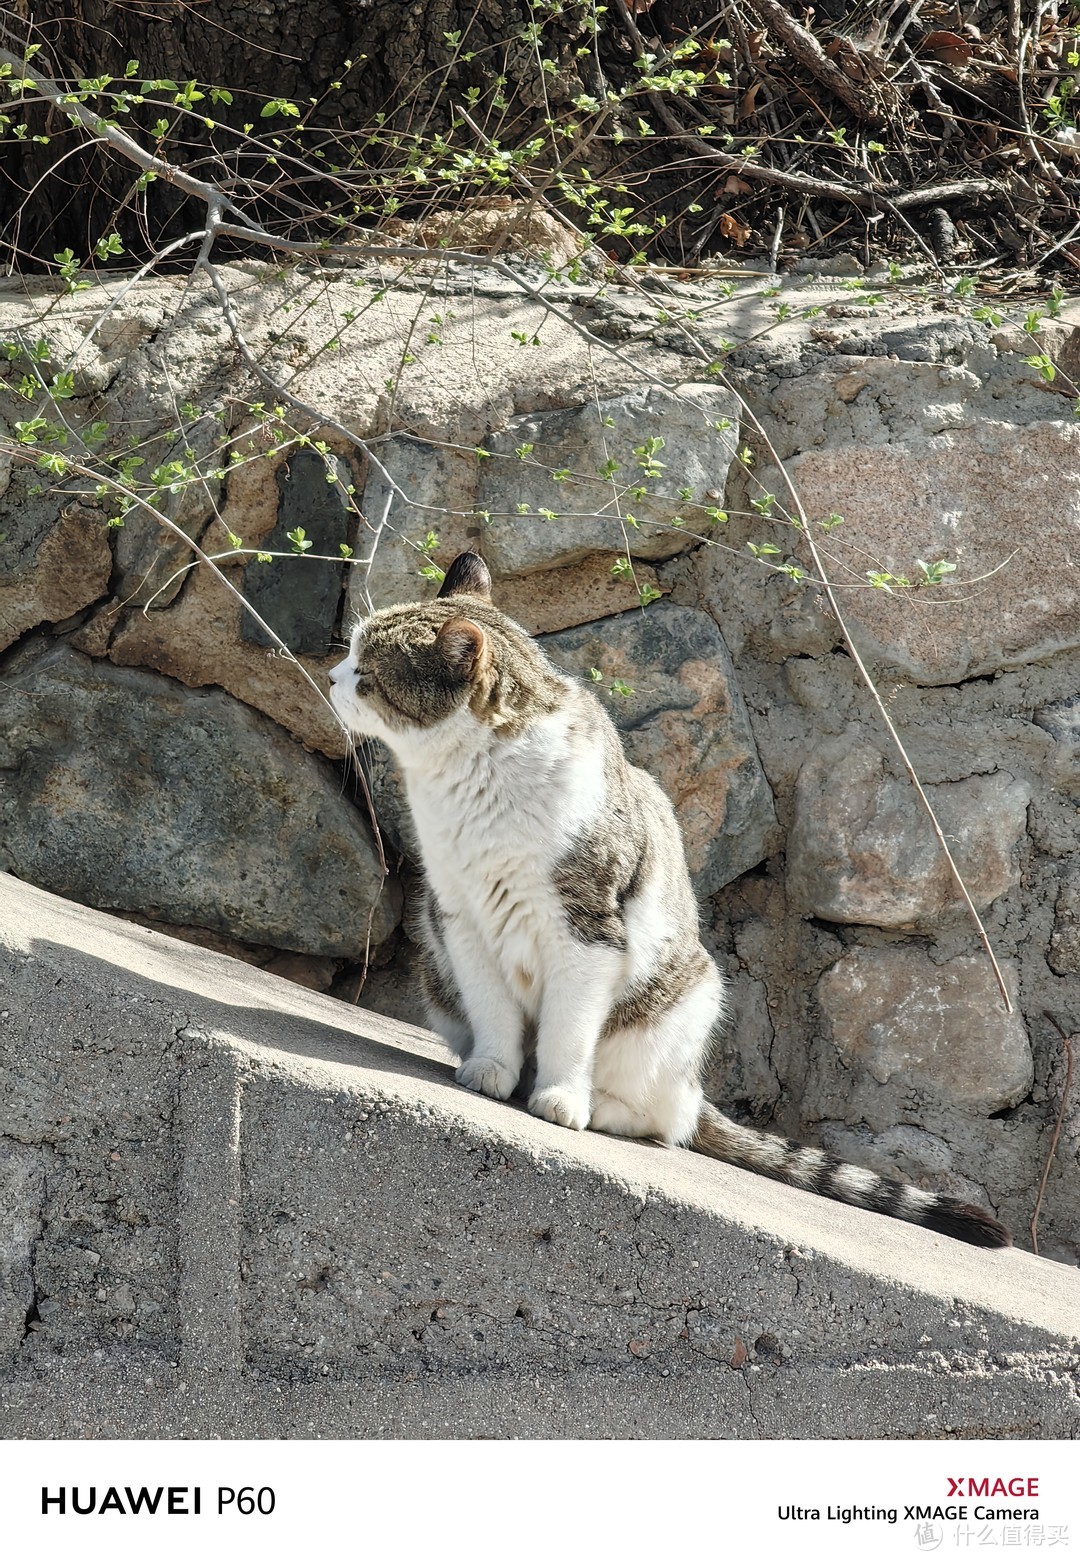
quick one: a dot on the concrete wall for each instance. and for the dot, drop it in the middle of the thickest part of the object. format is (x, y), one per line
(234, 1207)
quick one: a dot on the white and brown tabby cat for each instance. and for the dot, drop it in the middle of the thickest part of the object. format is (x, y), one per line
(558, 925)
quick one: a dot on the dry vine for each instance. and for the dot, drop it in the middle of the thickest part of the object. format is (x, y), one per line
(1066, 1087)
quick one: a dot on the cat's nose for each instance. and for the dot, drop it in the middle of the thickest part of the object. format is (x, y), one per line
(337, 673)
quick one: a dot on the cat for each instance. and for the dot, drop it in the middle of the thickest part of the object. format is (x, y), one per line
(557, 924)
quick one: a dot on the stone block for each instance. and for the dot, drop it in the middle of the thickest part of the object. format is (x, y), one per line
(1001, 502)
(582, 441)
(941, 1029)
(402, 504)
(686, 723)
(191, 809)
(51, 565)
(300, 598)
(151, 560)
(861, 848)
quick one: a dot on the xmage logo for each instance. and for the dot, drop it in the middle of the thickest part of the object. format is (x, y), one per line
(1016, 1485)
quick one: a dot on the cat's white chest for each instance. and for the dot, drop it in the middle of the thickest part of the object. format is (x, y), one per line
(492, 831)
(492, 877)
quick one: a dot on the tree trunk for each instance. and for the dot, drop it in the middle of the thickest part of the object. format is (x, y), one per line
(405, 65)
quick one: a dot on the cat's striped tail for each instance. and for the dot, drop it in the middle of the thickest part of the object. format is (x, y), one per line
(817, 1171)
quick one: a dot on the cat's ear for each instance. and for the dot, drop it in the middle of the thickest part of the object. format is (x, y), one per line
(467, 576)
(462, 645)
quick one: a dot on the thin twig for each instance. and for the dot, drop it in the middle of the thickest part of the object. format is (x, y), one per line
(891, 199)
(1066, 1041)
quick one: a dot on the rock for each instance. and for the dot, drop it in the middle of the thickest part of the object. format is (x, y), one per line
(894, 1014)
(1061, 719)
(685, 723)
(581, 593)
(971, 497)
(578, 585)
(150, 558)
(199, 641)
(740, 1068)
(51, 566)
(315, 974)
(421, 481)
(196, 810)
(695, 456)
(300, 599)
(22, 1194)
(1059, 339)
(498, 225)
(861, 848)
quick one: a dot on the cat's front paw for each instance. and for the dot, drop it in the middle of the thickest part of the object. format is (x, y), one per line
(487, 1077)
(564, 1106)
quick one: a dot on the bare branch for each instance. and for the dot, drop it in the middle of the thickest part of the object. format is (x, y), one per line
(871, 105)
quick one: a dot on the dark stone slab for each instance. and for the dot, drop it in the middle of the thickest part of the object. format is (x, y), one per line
(299, 598)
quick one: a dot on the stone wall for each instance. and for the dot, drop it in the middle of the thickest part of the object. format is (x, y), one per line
(159, 758)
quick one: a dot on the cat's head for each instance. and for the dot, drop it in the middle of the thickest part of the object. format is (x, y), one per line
(443, 668)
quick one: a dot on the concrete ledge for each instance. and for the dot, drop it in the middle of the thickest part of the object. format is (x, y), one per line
(242, 1209)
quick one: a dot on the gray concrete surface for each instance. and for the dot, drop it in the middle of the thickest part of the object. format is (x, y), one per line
(239, 1208)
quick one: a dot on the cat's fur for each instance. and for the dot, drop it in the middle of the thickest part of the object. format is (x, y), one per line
(558, 925)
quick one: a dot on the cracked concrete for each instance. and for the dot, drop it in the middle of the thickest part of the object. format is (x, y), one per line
(265, 1213)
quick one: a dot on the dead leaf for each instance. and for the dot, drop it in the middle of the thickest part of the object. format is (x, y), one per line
(738, 1354)
(754, 41)
(844, 54)
(640, 1348)
(733, 185)
(946, 48)
(731, 228)
(746, 104)
(713, 51)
